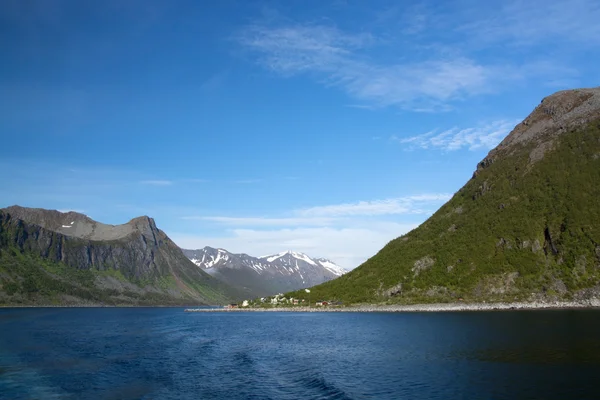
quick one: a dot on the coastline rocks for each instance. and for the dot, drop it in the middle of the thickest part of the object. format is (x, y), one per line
(447, 307)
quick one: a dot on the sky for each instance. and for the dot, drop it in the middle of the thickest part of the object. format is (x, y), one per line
(325, 127)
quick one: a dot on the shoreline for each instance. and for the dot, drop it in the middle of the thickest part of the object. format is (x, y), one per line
(439, 307)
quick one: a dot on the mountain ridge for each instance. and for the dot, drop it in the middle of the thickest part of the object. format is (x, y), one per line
(265, 275)
(521, 229)
(132, 263)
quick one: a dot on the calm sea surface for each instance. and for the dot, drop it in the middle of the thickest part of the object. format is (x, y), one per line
(157, 353)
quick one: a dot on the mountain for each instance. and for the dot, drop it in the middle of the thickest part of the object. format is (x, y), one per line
(263, 276)
(525, 227)
(49, 257)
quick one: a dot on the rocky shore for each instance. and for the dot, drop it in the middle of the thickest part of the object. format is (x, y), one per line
(592, 303)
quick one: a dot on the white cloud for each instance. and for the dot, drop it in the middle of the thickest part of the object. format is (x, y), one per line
(156, 182)
(263, 221)
(401, 205)
(427, 56)
(347, 233)
(336, 57)
(335, 213)
(482, 137)
(348, 246)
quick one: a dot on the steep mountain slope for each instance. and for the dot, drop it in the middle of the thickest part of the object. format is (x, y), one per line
(526, 226)
(67, 258)
(263, 276)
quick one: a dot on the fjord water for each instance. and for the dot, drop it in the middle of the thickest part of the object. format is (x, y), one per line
(154, 353)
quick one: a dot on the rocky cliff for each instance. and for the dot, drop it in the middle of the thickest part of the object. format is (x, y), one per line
(136, 262)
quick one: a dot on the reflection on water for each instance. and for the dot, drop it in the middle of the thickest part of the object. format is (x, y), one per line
(166, 353)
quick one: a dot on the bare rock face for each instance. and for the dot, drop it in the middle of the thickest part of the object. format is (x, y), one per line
(81, 226)
(557, 114)
(394, 290)
(137, 249)
(422, 264)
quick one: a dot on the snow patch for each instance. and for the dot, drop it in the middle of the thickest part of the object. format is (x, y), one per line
(303, 257)
(221, 255)
(332, 267)
(197, 261)
(299, 256)
(274, 257)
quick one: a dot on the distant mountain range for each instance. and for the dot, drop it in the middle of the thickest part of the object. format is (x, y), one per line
(267, 275)
(53, 258)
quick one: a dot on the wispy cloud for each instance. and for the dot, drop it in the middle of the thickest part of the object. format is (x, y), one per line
(347, 246)
(336, 57)
(348, 233)
(401, 205)
(263, 221)
(157, 182)
(482, 137)
(428, 56)
(331, 214)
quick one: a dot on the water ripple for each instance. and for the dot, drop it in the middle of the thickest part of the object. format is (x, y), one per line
(168, 354)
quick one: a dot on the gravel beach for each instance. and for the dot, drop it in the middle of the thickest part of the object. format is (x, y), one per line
(592, 303)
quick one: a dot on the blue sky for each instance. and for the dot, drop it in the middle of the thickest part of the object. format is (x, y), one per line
(327, 127)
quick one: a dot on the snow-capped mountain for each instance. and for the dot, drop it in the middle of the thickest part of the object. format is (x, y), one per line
(267, 275)
(303, 263)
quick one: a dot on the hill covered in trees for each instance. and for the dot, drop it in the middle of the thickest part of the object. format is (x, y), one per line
(525, 227)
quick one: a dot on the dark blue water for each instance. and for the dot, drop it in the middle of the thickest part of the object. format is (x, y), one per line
(168, 354)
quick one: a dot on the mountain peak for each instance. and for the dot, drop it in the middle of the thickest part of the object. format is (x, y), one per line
(556, 114)
(288, 254)
(322, 262)
(266, 275)
(143, 224)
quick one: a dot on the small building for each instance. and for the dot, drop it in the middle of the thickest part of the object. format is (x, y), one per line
(295, 301)
(245, 303)
(232, 306)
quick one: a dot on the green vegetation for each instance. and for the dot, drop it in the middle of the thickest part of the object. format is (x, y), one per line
(518, 227)
(30, 280)
(39, 266)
